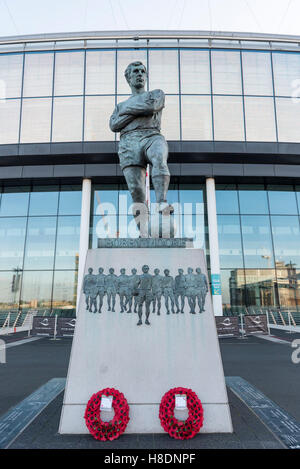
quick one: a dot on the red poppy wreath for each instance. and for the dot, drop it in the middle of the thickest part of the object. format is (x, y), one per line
(181, 430)
(111, 430)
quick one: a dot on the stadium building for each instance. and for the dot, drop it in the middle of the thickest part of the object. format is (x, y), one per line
(231, 119)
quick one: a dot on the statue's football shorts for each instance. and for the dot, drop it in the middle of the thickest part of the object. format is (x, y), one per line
(133, 151)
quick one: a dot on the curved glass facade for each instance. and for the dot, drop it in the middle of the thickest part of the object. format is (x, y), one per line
(39, 246)
(212, 93)
(259, 241)
(234, 90)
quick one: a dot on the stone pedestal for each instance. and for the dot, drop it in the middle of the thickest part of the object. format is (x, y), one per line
(176, 349)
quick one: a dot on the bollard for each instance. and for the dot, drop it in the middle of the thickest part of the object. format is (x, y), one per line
(242, 328)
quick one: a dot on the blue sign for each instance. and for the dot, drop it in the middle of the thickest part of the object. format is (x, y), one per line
(216, 284)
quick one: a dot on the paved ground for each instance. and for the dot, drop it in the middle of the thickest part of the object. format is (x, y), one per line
(266, 365)
(29, 366)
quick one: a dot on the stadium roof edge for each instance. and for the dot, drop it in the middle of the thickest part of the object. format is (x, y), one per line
(149, 34)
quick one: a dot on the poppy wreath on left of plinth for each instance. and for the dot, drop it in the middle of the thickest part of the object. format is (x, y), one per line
(107, 431)
(181, 430)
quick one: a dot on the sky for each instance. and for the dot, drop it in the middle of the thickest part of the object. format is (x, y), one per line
(19, 17)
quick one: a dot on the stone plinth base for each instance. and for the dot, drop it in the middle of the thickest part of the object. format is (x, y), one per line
(145, 361)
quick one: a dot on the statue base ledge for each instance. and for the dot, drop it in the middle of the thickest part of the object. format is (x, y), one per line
(145, 243)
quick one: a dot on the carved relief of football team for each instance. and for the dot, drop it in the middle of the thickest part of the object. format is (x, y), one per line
(135, 290)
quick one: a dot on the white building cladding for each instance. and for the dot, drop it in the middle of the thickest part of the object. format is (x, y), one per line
(232, 122)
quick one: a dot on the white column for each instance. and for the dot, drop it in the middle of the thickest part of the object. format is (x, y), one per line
(84, 231)
(214, 246)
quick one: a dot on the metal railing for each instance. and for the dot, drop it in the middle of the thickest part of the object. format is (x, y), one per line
(15, 321)
(285, 318)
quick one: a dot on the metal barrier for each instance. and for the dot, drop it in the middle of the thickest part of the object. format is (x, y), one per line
(19, 321)
(276, 318)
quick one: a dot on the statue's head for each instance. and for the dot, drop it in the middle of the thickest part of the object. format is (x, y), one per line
(136, 74)
(101, 270)
(145, 269)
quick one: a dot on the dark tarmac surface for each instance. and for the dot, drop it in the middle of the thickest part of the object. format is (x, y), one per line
(264, 364)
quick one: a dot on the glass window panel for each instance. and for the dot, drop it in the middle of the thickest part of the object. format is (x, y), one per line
(260, 119)
(127, 227)
(228, 118)
(101, 43)
(67, 119)
(189, 196)
(105, 193)
(36, 291)
(39, 45)
(260, 288)
(227, 198)
(297, 189)
(193, 42)
(230, 246)
(40, 242)
(196, 118)
(105, 227)
(288, 286)
(194, 226)
(282, 200)
(233, 290)
(68, 73)
(195, 73)
(286, 68)
(135, 43)
(253, 199)
(288, 117)
(257, 73)
(12, 238)
(100, 72)
(159, 42)
(257, 241)
(98, 110)
(170, 118)
(9, 120)
(226, 72)
(64, 293)
(12, 47)
(14, 201)
(163, 70)
(43, 200)
(69, 44)
(286, 238)
(36, 120)
(124, 58)
(67, 244)
(11, 66)
(38, 74)
(70, 200)
(9, 290)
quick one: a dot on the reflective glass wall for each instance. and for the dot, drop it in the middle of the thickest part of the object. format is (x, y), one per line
(39, 245)
(211, 94)
(259, 241)
(112, 212)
